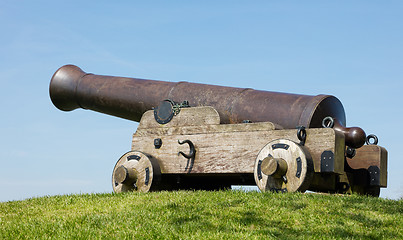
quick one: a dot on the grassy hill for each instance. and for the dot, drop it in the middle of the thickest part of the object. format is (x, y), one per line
(202, 215)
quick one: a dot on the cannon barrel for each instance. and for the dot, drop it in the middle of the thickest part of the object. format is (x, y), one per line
(129, 98)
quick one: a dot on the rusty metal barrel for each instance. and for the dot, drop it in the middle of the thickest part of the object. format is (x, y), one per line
(129, 98)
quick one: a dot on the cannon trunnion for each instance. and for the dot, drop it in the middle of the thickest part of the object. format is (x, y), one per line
(222, 136)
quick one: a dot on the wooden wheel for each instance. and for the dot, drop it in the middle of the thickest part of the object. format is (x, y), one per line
(136, 171)
(283, 166)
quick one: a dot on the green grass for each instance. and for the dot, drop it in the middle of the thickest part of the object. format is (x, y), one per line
(202, 215)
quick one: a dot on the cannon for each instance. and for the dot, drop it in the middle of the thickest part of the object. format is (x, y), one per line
(198, 136)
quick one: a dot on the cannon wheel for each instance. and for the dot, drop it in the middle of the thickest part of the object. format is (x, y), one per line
(136, 171)
(283, 166)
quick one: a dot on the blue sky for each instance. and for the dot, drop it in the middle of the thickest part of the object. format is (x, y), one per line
(352, 50)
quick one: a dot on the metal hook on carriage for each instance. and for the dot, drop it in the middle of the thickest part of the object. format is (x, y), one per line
(371, 136)
(192, 151)
(328, 122)
(301, 134)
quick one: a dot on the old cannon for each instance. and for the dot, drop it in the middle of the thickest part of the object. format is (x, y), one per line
(197, 136)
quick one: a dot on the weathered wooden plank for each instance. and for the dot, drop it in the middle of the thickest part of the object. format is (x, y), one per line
(193, 116)
(204, 129)
(371, 155)
(231, 151)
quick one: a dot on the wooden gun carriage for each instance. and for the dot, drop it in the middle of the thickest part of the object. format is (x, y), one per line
(196, 136)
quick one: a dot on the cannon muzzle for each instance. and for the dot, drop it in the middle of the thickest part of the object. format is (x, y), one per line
(129, 98)
(63, 87)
